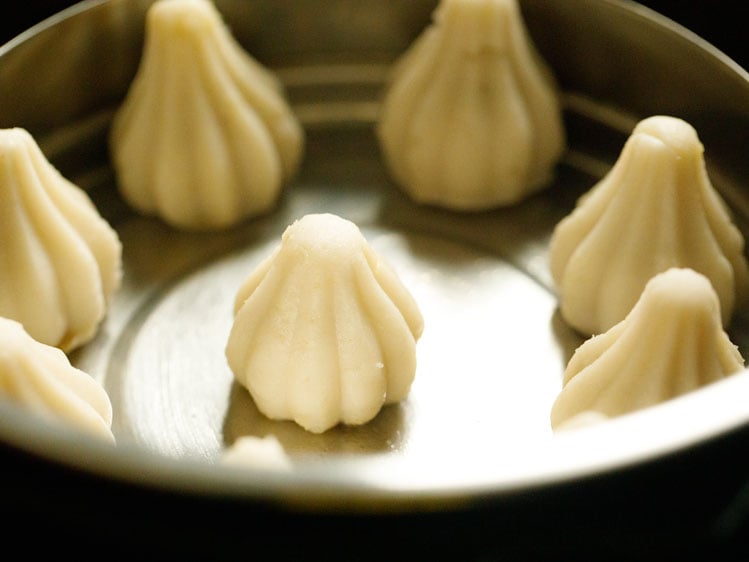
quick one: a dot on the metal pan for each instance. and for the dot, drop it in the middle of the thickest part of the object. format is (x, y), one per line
(476, 422)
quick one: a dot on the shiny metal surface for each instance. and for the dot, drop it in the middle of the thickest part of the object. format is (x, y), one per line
(491, 359)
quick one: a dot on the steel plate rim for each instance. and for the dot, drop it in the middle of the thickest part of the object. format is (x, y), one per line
(616, 444)
(720, 408)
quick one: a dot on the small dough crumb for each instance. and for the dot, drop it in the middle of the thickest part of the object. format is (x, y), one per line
(582, 420)
(257, 452)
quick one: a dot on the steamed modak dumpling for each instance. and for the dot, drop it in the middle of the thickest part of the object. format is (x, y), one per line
(60, 261)
(40, 379)
(205, 137)
(655, 209)
(471, 117)
(324, 331)
(671, 342)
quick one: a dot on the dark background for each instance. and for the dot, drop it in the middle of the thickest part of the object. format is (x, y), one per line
(718, 21)
(693, 507)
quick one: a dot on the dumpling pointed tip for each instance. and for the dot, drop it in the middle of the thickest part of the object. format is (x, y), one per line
(673, 132)
(13, 138)
(448, 8)
(477, 23)
(176, 8)
(323, 234)
(683, 289)
(188, 16)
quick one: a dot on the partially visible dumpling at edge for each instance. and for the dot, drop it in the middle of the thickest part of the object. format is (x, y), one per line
(39, 378)
(672, 342)
(471, 118)
(655, 209)
(324, 330)
(60, 260)
(204, 137)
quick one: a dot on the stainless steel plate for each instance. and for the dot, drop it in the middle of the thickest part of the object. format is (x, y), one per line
(491, 358)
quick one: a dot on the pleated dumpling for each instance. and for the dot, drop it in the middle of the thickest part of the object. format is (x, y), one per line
(205, 137)
(671, 342)
(655, 209)
(324, 331)
(60, 261)
(40, 378)
(471, 118)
